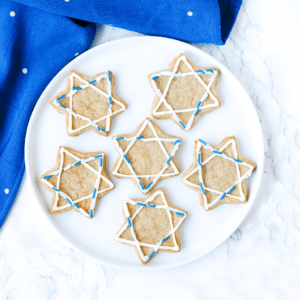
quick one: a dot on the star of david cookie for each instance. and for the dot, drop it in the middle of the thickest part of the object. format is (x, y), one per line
(184, 92)
(151, 225)
(89, 103)
(77, 181)
(146, 156)
(218, 173)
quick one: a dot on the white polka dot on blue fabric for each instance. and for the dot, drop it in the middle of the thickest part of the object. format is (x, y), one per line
(24, 71)
(76, 53)
(12, 13)
(190, 13)
(6, 191)
(67, 0)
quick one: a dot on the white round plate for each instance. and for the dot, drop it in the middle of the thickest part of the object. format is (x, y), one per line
(131, 60)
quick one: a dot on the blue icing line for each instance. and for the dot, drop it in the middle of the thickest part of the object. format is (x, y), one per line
(94, 193)
(70, 202)
(100, 129)
(200, 71)
(198, 108)
(76, 206)
(155, 77)
(60, 98)
(238, 161)
(199, 160)
(149, 185)
(110, 100)
(129, 222)
(62, 106)
(55, 189)
(128, 161)
(77, 88)
(139, 137)
(151, 205)
(151, 254)
(217, 152)
(209, 70)
(91, 82)
(177, 141)
(169, 159)
(201, 186)
(77, 163)
(231, 189)
(224, 194)
(46, 177)
(119, 138)
(202, 142)
(182, 124)
(97, 156)
(165, 239)
(101, 162)
(109, 78)
(141, 185)
(91, 213)
(180, 214)
(141, 204)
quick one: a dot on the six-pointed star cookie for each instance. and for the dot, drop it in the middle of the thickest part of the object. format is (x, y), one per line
(89, 103)
(184, 92)
(77, 181)
(218, 173)
(146, 156)
(151, 225)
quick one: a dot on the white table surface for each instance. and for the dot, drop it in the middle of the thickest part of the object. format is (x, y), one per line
(261, 260)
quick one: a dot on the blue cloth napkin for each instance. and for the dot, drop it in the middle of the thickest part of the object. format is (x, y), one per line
(39, 38)
(197, 21)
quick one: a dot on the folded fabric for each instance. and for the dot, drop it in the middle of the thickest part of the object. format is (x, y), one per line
(34, 46)
(197, 21)
(39, 38)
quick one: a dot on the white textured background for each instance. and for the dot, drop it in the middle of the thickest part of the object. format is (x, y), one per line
(261, 260)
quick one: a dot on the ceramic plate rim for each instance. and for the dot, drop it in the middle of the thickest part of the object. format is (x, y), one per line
(73, 244)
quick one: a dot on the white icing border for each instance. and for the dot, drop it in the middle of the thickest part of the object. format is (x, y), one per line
(199, 106)
(159, 244)
(159, 140)
(64, 195)
(84, 86)
(235, 160)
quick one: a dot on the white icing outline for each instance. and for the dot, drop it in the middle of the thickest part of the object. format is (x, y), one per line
(159, 140)
(158, 245)
(199, 168)
(64, 195)
(84, 86)
(203, 98)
